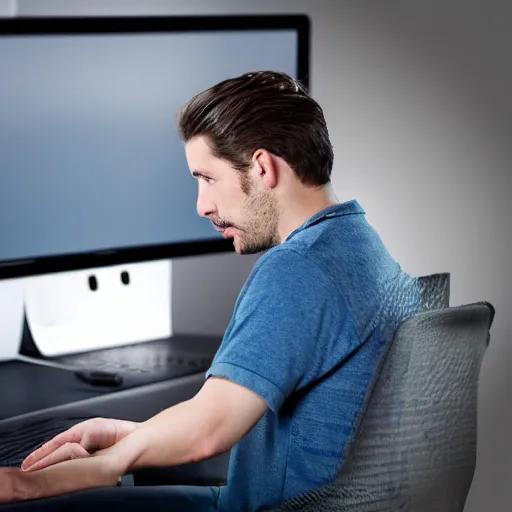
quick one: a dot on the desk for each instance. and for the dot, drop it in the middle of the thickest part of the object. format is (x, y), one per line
(28, 389)
(31, 393)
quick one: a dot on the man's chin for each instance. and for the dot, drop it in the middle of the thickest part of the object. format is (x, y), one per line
(241, 248)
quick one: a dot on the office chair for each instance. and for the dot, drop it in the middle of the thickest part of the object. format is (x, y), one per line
(416, 446)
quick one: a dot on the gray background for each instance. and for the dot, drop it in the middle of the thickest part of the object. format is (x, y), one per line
(417, 99)
(89, 150)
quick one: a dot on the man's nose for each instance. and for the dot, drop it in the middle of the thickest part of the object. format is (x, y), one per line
(205, 206)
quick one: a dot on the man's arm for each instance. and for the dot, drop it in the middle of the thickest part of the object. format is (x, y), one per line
(219, 416)
(212, 422)
(65, 477)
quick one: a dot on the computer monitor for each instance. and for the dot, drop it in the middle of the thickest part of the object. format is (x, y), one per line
(92, 171)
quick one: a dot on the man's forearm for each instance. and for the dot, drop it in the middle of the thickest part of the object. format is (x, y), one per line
(62, 478)
(212, 422)
(178, 435)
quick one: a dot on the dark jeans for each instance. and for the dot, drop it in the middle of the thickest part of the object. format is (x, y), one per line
(127, 499)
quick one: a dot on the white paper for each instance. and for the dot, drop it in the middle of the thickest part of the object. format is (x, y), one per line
(65, 316)
(11, 317)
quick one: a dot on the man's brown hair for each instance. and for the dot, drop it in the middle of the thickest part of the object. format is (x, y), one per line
(262, 110)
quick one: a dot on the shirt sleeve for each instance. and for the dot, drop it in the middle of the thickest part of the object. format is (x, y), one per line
(281, 328)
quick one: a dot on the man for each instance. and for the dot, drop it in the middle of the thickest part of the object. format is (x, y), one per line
(289, 383)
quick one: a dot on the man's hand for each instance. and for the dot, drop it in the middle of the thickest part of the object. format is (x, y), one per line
(80, 441)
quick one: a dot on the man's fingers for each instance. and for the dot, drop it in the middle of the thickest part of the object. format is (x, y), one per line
(73, 435)
(68, 451)
(47, 448)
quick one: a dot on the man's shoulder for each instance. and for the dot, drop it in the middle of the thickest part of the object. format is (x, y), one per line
(318, 252)
(286, 270)
(287, 258)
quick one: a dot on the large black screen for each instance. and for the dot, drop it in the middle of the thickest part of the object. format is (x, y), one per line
(92, 169)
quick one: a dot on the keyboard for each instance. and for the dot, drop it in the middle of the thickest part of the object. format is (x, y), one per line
(16, 445)
(142, 363)
(139, 359)
(147, 362)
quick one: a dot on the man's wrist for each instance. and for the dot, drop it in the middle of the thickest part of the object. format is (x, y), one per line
(27, 486)
(126, 453)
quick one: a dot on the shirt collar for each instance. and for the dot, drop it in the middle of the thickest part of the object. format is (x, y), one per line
(337, 210)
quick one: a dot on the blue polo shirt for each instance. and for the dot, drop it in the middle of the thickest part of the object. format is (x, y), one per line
(307, 334)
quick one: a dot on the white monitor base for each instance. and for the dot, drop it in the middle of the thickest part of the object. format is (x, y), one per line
(66, 316)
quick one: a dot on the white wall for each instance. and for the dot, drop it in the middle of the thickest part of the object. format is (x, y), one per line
(7, 8)
(417, 99)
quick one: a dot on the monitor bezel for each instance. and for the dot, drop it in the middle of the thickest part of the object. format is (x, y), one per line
(25, 26)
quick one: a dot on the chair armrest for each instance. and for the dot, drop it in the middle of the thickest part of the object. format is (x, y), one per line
(207, 472)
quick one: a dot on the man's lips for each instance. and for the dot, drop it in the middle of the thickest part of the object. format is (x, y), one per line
(225, 231)
(220, 228)
(228, 233)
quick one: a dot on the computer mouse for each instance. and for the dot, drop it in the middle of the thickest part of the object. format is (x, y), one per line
(99, 378)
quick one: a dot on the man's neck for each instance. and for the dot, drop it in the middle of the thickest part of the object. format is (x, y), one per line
(302, 205)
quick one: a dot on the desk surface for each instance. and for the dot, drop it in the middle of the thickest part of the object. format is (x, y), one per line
(27, 388)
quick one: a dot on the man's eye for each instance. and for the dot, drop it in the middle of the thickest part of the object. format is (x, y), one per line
(207, 179)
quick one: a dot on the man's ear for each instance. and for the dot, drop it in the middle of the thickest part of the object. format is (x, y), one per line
(265, 168)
